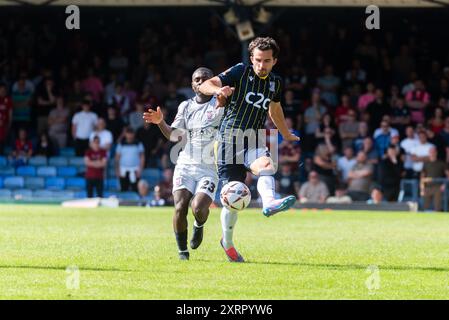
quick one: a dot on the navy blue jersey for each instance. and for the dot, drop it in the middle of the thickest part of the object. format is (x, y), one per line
(247, 107)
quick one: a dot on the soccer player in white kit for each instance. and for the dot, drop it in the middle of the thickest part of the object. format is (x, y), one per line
(195, 179)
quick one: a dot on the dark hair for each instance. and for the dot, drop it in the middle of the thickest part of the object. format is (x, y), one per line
(264, 44)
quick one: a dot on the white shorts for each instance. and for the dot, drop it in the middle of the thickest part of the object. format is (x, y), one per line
(195, 178)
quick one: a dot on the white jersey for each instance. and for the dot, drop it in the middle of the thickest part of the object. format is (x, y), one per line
(201, 122)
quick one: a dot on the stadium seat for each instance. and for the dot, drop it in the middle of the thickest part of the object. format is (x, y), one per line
(111, 172)
(67, 152)
(63, 195)
(26, 171)
(76, 161)
(34, 183)
(75, 183)
(128, 195)
(153, 176)
(20, 194)
(67, 171)
(7, 171)
(55, 183)
(46, 171)
(58, 161)
(112, 184)
(43, 194)
(14, 182)
(80, 194)
(37, 161)
(3, 161)
(5, 194)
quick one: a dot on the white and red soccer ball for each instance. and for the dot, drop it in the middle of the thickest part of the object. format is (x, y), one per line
(235, 196)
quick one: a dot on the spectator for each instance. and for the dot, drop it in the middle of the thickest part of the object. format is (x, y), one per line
(136, 117)
(23, 149)
(324, 165)
(95, 160)
(46, 101)
(377, 196)
(312, 117)
(83, 124)
(5, 116)
(143, 190)
(153, 142)
(340, 196)
(106, 138)
(44, 146)
(93, 85)
(349, 129)
(438, 141)
(444, 133)
(313, 191)
(407, 145)
(362, 135)
(329, 84)
(360, 178)
(290, 105)
(58, 123)
(436, 123)
(378, 109)
(420, 153)
(157, 200)
(120, 101)
(287, 182)
(366, 98)
(356, 74)
(115, 124)
(371, 152)
(392, 131)
(341, 113)
(129, 161)
(400, 116)
(382, 137)
(391, 174)
(75, 97)
(346, 163)
(166, 186)
(21, 102)
(417, 100)
(431, 189)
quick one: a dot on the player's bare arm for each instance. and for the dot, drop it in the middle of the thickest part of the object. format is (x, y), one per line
(214, 86)
(277, 115)
(157, 117)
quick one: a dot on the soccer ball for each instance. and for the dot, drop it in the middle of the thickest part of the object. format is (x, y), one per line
(235, 196)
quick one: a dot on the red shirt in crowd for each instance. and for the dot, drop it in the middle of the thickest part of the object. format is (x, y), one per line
(5, 109)
(95, 173)
(23, 147)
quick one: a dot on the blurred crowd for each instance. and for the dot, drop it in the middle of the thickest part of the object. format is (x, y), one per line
(370, 109)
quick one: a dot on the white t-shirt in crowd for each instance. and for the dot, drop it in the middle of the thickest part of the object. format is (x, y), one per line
(85, 124)
(345, 165)
(420, 150)
(105, 137)
(408, 144)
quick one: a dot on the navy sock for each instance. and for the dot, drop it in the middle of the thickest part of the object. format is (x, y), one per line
(181, 240)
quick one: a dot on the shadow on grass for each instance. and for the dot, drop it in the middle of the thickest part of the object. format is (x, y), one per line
(341, 266)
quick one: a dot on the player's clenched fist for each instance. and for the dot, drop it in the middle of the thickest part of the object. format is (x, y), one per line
(153, 116)
(222, 95)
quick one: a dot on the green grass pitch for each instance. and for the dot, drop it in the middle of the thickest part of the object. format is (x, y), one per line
(130, 253)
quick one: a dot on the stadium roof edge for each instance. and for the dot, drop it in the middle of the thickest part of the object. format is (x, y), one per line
(297, 3)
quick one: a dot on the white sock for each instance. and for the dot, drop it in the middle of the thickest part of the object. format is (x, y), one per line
(228, 220)
(197, 225)
(265, 186)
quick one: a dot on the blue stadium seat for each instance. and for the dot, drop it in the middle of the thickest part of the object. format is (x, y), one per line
(3, 161)
(63, 195)
(111, 172)
(67, 171)
(80, 194)
(75, 183)
(34, 183)
(128, 195)
(55, 183)
(58, 161)
(153, 176)
(7, 171)
(26, 171)
(67, 152)
(76, 161)
(43, 194)
(112, 184)
(46, 171)
(20, 194)
(37, 161)
(13, 182)
(5, 194)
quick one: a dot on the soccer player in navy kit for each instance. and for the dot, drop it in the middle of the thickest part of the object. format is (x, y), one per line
(252, 92)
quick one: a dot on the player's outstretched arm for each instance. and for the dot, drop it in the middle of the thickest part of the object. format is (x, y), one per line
(277, 115)
(213, 86)
(156, 117)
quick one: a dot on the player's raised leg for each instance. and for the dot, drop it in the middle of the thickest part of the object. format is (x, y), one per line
(182, 199)
(263, 167)
(200, 208)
